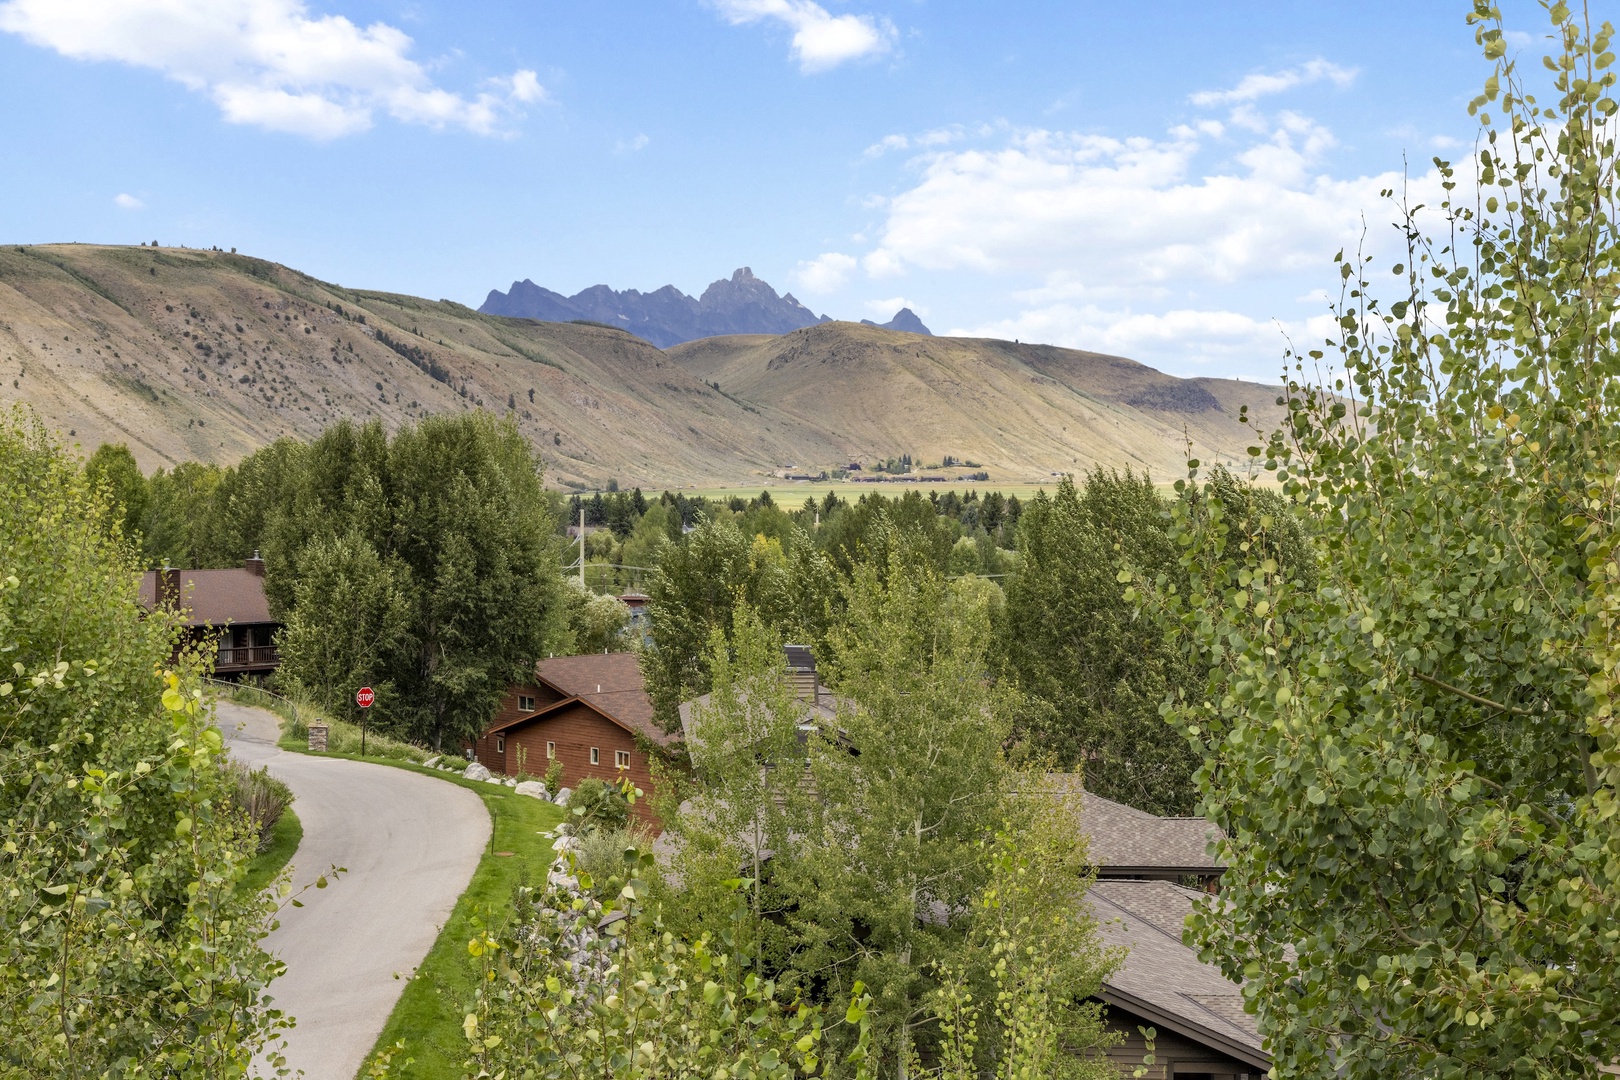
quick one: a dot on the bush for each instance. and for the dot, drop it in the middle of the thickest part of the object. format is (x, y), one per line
(597, 805)
(262, 798)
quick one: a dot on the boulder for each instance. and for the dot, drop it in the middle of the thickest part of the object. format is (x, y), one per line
(510, 781)
(562, 796)
(431, 763)
(475, 771)
(531, 787)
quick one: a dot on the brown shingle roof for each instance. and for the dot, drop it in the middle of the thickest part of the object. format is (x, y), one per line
(610, 683)
(1162, 978)
(215, 597)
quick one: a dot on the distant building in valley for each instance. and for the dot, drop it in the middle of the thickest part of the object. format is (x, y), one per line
(223, 610)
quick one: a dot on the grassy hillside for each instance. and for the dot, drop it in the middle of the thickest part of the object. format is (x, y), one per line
(208, 355)
(1022, 410)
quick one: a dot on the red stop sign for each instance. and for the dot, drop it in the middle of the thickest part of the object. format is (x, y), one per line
(364, 697)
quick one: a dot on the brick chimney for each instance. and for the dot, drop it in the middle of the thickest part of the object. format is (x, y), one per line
(255, 565)
(168, 587)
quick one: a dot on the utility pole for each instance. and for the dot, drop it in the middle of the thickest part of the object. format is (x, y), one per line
(582, 541)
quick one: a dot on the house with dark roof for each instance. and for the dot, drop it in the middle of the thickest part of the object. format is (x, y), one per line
(591, 713)
(1150, 872)
(224, 610)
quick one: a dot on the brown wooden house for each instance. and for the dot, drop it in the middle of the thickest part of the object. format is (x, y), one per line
(225, 610)
(589, 712)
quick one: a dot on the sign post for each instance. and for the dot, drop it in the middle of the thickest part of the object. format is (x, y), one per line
(363, 698)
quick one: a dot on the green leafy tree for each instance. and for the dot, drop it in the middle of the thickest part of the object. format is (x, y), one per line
(1415, 759)
(699, 583)
(577, 986)
(126, 950)
(453, 509)
(177, 511)
(1099, 670)
(594, 622)
(868, 835)
(1069, 639)
(246, 499)
(114, 468)
(350, 615)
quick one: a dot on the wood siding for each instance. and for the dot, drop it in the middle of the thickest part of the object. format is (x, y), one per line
(575, 729)
(1174, 1056)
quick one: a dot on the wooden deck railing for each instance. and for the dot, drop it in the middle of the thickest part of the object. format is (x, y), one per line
(231, 656)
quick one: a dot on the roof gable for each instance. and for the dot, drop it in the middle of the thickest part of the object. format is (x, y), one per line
(610, 683)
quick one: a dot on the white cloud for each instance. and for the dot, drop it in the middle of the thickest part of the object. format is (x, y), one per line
(1135, 212)
(821, 40)
(1175, 249)
(630, 146)
(826, 273)
(525, 87)
(128, 202)
(927, 140)
(1253, 87)
(270, 63)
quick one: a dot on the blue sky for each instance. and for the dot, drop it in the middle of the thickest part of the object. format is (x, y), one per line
(1164, 180)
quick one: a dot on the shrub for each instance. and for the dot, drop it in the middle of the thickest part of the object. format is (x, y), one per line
(262, 798)
(596, 804)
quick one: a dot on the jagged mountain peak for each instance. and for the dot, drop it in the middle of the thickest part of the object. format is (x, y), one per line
(905, 320)
(740, 304)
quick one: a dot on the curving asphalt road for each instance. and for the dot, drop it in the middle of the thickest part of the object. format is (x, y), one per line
(410, 844)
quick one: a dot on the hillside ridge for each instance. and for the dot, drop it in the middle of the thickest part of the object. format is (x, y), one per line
(191, 354)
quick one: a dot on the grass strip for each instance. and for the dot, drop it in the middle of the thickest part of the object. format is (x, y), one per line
(428, 1015)
(284, 840)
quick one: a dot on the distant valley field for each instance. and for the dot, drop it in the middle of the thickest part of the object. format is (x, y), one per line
(189, 354)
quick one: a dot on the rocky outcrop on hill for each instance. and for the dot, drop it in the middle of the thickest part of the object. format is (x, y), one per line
(741, 304)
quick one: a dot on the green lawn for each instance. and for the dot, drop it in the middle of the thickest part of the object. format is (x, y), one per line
(429, 1014)
(284, 840)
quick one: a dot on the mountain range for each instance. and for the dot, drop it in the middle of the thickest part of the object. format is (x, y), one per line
(741, 304)
(190, 354)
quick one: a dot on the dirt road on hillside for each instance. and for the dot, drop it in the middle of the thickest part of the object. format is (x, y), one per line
(410, 844)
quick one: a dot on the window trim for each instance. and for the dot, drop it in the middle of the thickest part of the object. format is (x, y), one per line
(525, 703)
(621, 759)
(596, 755)
(500, 744)
(551, 750)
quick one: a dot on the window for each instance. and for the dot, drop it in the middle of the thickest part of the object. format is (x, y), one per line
(596, 756)
(525, 703)
(551, 750)
(500, 744)
(621, 759)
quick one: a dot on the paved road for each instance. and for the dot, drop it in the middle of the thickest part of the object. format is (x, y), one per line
(410, 844)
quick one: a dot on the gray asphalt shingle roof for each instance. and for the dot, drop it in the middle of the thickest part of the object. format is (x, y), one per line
(1123, 838)
(1163, 977)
